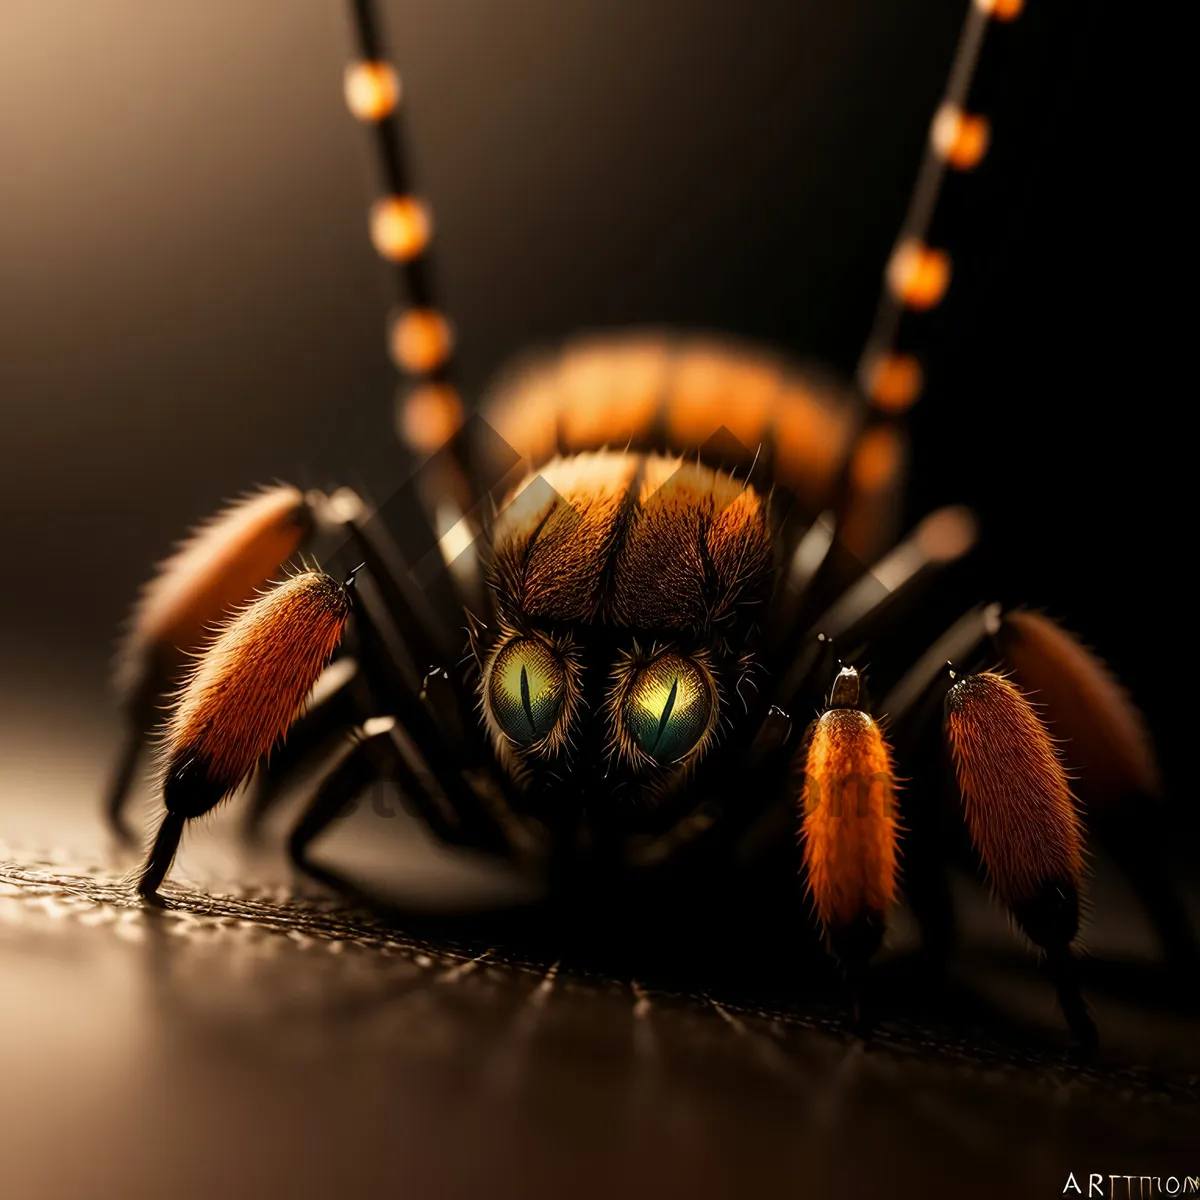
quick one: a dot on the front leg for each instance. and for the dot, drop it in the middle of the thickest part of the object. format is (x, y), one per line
(219, 567)
(240, 700)
(849, 828)
(337, 703)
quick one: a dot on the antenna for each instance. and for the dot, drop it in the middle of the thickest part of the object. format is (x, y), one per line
(420, 336)
(919, 272)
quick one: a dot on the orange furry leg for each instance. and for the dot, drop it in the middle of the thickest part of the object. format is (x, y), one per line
(849, 828)
(1020, 812)
(219, 567)
(1022, 819)
(1106, 743)
(240, 699)
(652, 391)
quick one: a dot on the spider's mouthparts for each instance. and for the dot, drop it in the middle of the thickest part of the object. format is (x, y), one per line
(845, 689)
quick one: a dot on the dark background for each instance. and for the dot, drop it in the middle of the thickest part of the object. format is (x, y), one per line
(190, 305)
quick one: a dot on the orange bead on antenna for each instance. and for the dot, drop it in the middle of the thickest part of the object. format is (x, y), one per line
(420, 340)
(400, 227)
(1001, 10)
(961, 138)
(918, 275)
(372, 90)
(429, 415)
(876, 459)
(895, 382)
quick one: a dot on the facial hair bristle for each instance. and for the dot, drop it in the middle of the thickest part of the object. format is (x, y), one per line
(220, 566)
(1020, 812)
(850, 831)
(247, 688)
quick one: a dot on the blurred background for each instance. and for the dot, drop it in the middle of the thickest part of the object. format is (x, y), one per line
(189, 304)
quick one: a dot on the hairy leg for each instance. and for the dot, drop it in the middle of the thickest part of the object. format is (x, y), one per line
(1023, 821)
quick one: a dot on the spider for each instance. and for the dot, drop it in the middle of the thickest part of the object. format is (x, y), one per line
(661, 544)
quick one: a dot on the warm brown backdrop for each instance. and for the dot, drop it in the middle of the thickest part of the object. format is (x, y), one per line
(188, 305)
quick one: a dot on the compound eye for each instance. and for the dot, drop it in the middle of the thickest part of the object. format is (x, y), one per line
(526, 690)
(667, 708)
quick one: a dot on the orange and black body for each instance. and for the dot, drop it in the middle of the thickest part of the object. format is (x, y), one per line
(638, 673)
(650, 552)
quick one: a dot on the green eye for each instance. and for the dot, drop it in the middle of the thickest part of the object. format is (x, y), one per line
(668, 708)
(526, 690)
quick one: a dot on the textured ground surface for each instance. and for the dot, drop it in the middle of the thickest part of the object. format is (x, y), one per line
(253, 1040)
(258, 1040)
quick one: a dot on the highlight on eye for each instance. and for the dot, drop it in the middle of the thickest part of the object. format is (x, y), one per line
(667, 708)
(526, 690)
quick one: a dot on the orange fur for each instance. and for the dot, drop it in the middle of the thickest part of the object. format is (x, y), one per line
(651, 391)
(710, 387)
(811, 431)
(219, 567)
(523, 410)
(686, 513)
(252, 680)
(850, 831)
(1020, 812)
(1104, 734)
(573, 543)
(605, 398)
(555, 534)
